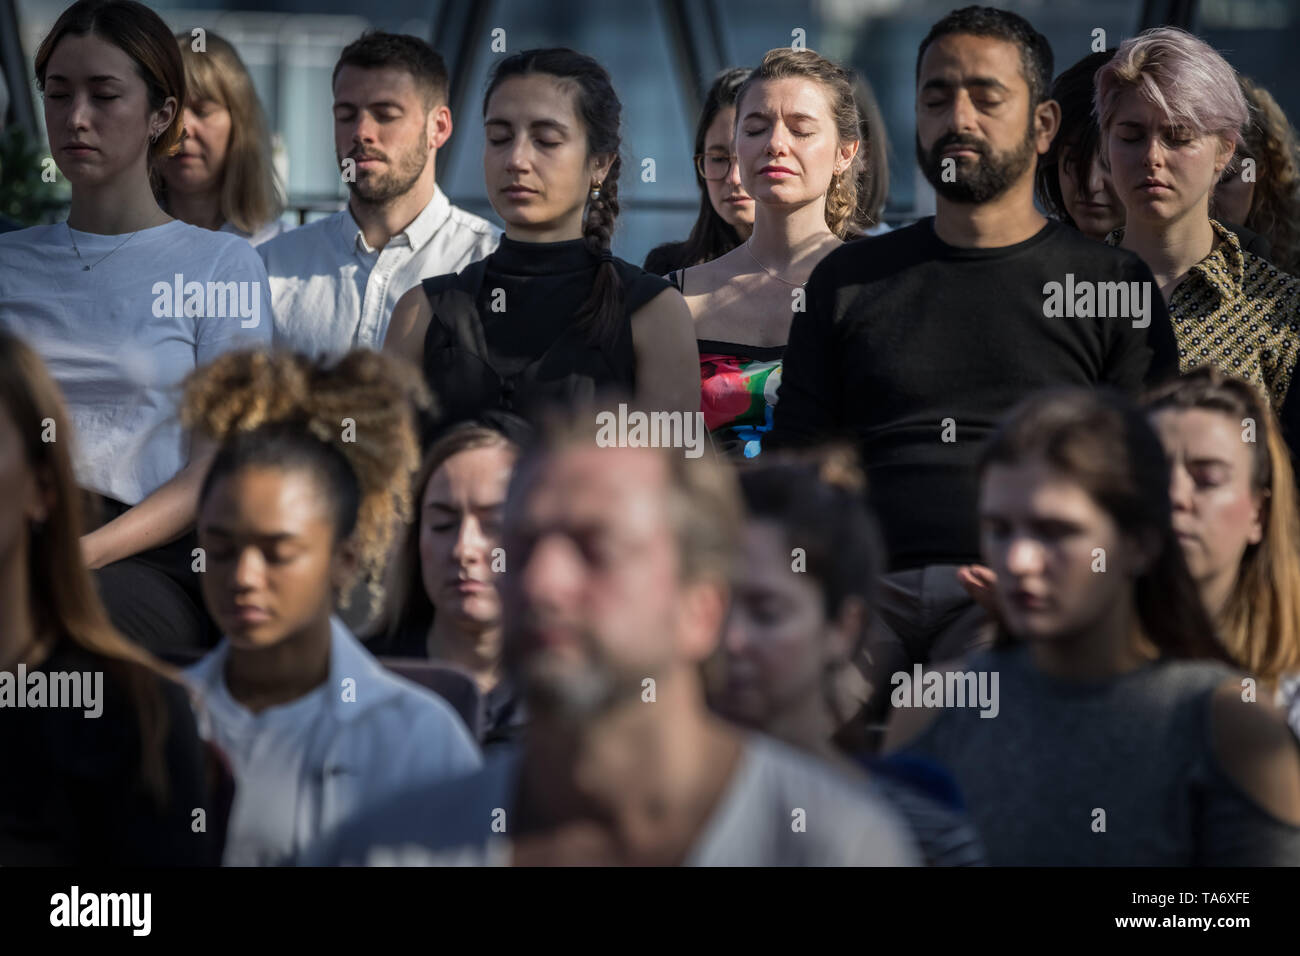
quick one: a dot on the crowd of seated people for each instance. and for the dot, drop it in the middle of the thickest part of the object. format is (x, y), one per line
(989, 551)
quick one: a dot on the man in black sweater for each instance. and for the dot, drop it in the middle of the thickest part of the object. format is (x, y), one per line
(915, 344)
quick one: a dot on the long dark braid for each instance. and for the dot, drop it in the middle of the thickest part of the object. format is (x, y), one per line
(600, 110)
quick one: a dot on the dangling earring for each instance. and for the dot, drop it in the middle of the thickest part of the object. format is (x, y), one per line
(595, 192)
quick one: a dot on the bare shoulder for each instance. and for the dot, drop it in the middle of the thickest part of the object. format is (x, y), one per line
(408, 325)
(1256, 749)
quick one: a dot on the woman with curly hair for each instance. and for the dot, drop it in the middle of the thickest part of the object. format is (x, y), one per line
(1264, 195)
(311, 477)
(797, 139)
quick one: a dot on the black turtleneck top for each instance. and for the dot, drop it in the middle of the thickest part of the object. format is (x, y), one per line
(503, 335)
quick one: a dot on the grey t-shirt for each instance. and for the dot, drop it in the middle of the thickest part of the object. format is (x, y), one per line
(1119, 772)
(781, 808)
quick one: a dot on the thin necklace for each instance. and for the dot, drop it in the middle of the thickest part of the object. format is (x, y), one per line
(797, 285)
(87, 268)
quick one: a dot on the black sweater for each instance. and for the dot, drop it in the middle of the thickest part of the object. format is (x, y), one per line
(903, 332)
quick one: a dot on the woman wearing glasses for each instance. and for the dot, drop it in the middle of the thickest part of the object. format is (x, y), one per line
(726, 216)
(796, 153)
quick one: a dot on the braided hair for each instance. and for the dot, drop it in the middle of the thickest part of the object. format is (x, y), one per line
(351, 425)
(598, 106)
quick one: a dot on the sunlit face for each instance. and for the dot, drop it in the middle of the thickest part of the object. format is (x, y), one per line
(1233, 195)
(97, 112)
(460, 528)
(1216, 511)
(975, 133)
(1040, 533)
(201, 162)
(593, 600)
(1160, 174)
(1089, 197)
(777, 645)
(19, 489)
(382, 123)
(272, 564)
(728, 196)
(535, 160)
(786, 142)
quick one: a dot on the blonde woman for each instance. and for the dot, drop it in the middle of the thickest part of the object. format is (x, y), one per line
(796, 148)
(222, 177)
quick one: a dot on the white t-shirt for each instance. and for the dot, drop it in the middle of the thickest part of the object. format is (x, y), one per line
(782, 807)
(332, 292)
(121, 337)
(303, 768)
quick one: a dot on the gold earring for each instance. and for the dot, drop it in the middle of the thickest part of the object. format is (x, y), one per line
(595, 192)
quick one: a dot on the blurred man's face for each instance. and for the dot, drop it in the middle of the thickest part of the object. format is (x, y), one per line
(975, 132)
(592, 595)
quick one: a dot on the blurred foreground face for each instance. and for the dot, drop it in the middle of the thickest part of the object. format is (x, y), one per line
(535, 160)
(1040, 532)
(1090, 198)
(592, 591)
(199, 165)
(1216, 513)
(1161, 174)
(269, 544)
(381, 122)
(460, 526)
(728, 196)
(776, 644)
(96, 110)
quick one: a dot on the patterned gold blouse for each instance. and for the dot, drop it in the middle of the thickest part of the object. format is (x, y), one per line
(1239, 313)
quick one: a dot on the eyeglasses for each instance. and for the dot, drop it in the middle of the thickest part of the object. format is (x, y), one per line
(714, 166)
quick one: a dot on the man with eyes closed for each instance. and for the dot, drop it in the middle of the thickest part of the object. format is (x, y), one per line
(916, 343)
(335, 282)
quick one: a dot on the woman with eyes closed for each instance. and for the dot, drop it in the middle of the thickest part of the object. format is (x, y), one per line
(551, 317)
(223, 178)
(796, 151)
(1171, 113)
(295, 509)
(1071, 183)
(445, 603)
(726, 216)
(1235, 514)
(1122, 737)
(99, 297)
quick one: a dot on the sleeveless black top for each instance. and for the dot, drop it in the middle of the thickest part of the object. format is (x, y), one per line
(503, 334)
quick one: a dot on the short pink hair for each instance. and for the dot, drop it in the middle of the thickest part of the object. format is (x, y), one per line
(1181, 75)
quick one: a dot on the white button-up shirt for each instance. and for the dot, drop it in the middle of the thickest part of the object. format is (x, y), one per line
(332, 292)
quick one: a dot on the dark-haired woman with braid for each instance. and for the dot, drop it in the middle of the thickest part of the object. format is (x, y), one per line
(1121, 736)
(311, 476)
(552, 316)
(796, 146)
(115, 780)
